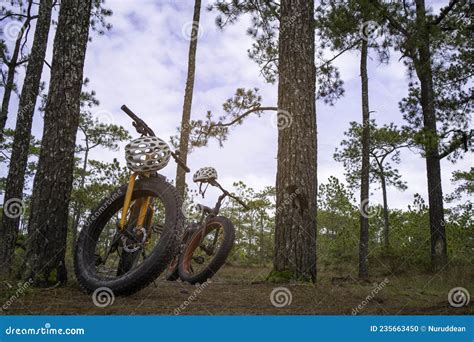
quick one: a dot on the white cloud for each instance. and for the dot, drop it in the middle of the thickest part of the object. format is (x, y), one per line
(142, 62)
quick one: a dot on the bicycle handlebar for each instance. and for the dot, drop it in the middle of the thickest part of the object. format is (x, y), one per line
(237, 199)
(142, 128)
(179, 161)
(139, 124)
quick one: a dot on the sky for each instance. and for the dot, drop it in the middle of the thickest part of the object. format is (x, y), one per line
(142, 62)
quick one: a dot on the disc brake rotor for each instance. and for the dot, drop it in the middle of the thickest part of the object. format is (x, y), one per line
(133, 244)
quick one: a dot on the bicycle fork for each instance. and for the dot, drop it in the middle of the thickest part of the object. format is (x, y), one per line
(144, 204)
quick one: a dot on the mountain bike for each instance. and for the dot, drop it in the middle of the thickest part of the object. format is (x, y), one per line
(132, 235)
(207, 243)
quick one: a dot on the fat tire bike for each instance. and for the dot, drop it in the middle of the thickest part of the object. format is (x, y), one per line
(206, 244)
(132, 235)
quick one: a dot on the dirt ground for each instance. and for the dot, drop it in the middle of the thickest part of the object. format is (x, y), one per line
(243, 291)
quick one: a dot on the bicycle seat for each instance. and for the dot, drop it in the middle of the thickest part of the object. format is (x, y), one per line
(204, 208)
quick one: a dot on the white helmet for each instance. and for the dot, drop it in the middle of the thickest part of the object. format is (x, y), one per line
(205, 174)
(147, 154)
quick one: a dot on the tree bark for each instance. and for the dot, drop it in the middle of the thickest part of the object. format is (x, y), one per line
(386, 223)
(188, 100)
(296, 181)
(262, 244)
(77, 212)
(365, 171)
(433, 168)
(47, 228)
(21, 142)
(12, 64)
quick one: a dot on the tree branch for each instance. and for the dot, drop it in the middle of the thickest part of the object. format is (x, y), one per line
(46, 62)
(272, 9)
(22, 62)
(456, 143)
(241, 116)
(4, 58)
(338, 54)
(394, 23)
(444, 12)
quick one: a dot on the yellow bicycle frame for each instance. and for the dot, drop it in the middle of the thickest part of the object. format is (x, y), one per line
(145, 203)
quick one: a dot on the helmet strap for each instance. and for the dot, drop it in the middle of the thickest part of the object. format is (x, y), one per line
(203, 192)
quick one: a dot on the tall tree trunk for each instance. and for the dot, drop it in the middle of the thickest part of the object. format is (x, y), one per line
(364, 182)
(296, 181)
(386, 223)
(433, 167)
(12, 64)
(188, 100)
(21, 141)
(262, 243)
(47, 228)
(78, 207)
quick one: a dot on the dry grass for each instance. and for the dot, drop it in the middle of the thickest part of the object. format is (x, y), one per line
(243, 291)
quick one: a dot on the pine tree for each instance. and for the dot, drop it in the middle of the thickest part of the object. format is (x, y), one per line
(344, 25)
(21, 143)
(296, 185)
(47, 229)
(188, 100)
(384, 147)
(93, 134)
(14, 61)
(438, 50)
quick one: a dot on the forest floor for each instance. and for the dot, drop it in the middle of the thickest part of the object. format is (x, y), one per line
(238, 290)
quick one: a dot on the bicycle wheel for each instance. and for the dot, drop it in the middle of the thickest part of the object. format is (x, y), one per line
(172, 273)
(127, 261)
(207, 251)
